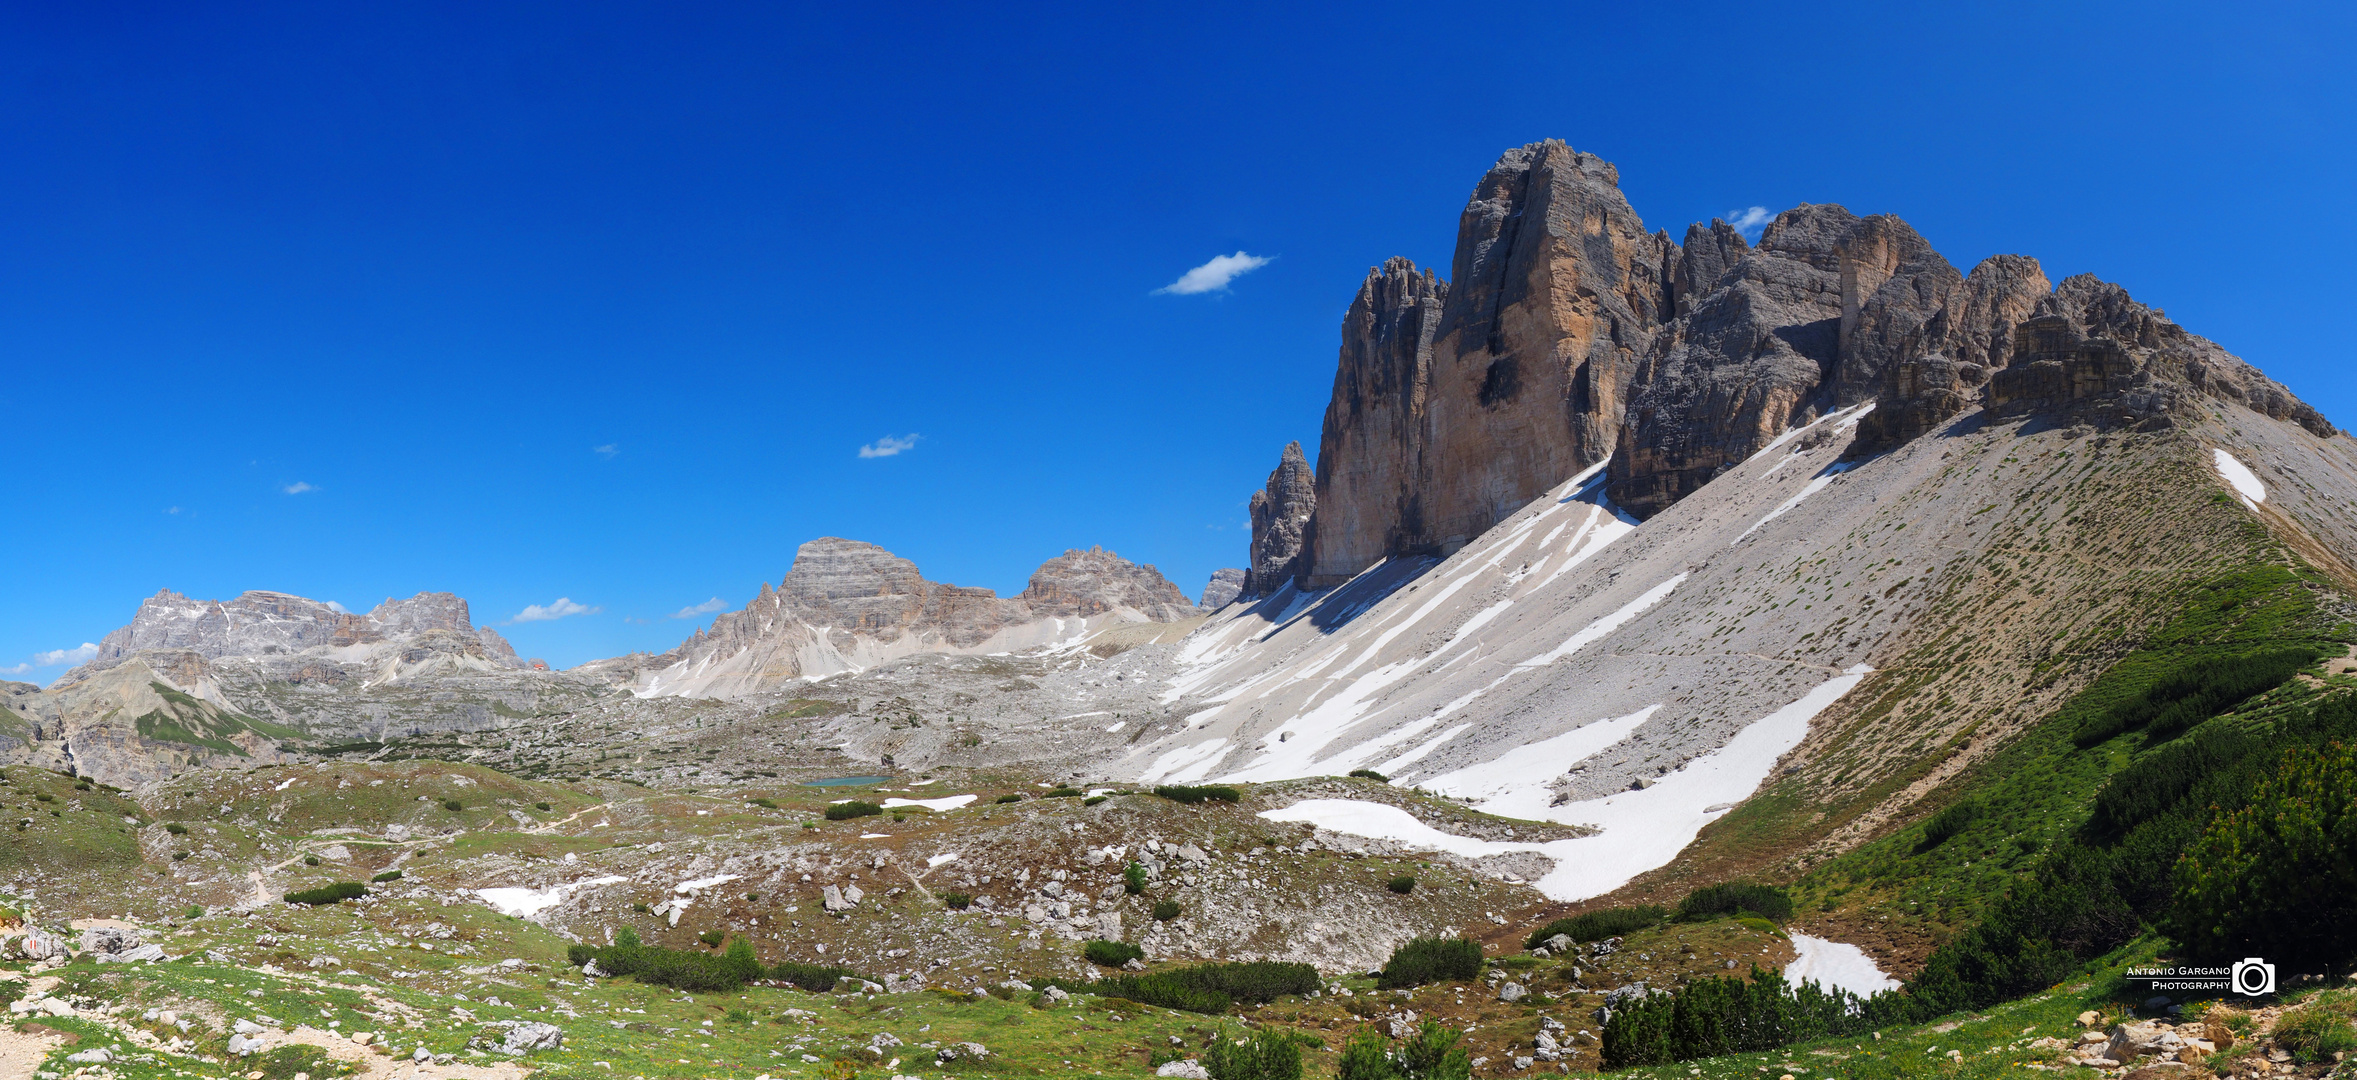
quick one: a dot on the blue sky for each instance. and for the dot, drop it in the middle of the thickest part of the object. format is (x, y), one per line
(602, 302)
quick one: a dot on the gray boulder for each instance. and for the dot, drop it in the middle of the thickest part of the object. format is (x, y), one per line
(528, 1037)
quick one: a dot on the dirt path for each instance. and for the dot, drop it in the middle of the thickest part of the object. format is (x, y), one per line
(377, 1066)
(21, 1051)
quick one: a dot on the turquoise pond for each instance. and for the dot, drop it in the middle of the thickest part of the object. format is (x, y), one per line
(848, 781)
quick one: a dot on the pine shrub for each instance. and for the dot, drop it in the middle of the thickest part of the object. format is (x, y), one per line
(1403, 884)
(1133, 878)
(2274, 878)
(1111, 953)
(1270, 1054)
(1597, 925)
(1166, 910)
(1370, 774)
(328, 894)
(1736, 898)
(816, 978)
(389, 875)
(1011, 797)
(453, 805)
(1211, 988)
(684, 969)
(957, 901)
(845, 811)
(1430, 960)
(1191, 794)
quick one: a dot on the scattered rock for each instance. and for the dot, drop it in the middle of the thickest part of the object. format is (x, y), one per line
(528, 1037)
(1190, 1069)
(1512, 992)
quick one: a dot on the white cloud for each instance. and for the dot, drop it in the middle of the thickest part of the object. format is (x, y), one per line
(608, 450)
(1214, 276)
(1750, 220)
(17, 670)
(563, 607)
(54, 657)
(173, 510)
(890, 445)
(338, 608)
(297, 488)
(705, 608)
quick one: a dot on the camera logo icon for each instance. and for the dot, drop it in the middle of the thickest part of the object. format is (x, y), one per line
(2253, 977)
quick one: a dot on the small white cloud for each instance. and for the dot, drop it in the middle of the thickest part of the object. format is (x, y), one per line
(705, 608)
(1214, 276)
(17, 670)
(338, 608)
(889, 445)
(1750, 220)
(297, 488)
(54, 657)
(563, 607)
(608, 450)
(173, 510)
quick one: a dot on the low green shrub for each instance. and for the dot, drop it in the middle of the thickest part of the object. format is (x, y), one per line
(1111, 953)
(1133, 878)
(765, 804)
(389, 875)
(1063, 793)
(288, 1062)
(328, 894)
(1010, 797)
(1431, 1053)
(2319, 1029)
(1094, 800)
(2274, 878)
(195, 911)
(1370, 774)
(1716, 1016)
(1403, 884)
(845, 811)
(542, 807)
(1196, 793)
(1212, 988)
(176, 828)
(2196, 691)
(684, 969)
(1736, 898)
(453, 805)
(1597, 925)
(1269, 1054)
(712, 938)
(1430, 960)
(1946, 824)
(1166, 910)
(816, 978)
(310, 860)
(957, 901)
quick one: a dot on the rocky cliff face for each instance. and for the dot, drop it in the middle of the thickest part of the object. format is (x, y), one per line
(847, 605)
(1281, 512)
(261, 623)
(1569, 334)
(1439, 428)
(1225, 585)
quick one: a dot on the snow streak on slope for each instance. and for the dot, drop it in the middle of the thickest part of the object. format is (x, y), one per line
(2238, 475)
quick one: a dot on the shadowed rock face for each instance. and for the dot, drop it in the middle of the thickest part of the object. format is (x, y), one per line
(1225, 585)
(1281, 513)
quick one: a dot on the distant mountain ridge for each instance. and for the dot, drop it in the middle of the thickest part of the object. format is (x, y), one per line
(846, 605)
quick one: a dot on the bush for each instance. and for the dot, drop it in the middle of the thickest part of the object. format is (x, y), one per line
(2274, 878)
(1192, 794)
(765, 804)
(310, 860)
(389, 875)
(453, 805)
(1270, 1054)
(328, 894)
(2319, 1029)
(1211, 988)
(195, 911)
(957, 901)
(1094, 800)
(1010, 797)
(845, 811)
(1946, 824)
(1370, 774)
(1597, 925)
(1716, 1016)
(1403, 884)
(176, 828)
(288, 1062)
(2195, 691)
(1133, 878)
(1111, 953)
(816, 978)
(1431, 1053)
(1063, 793)
(1166, 910)
(1735, 898)
(1430, 960)
(542, 807)
(712, 938)
(683, 969)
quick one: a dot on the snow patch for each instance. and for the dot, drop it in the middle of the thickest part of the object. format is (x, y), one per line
(1834, 963)
(702, 883)
(2239, 476)
(944, 804)
(525, 903)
